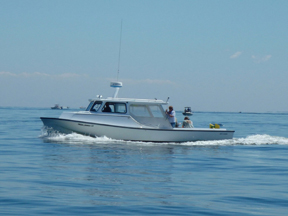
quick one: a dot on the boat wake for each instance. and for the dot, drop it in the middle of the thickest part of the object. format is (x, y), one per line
(250, 140)
(74, 138)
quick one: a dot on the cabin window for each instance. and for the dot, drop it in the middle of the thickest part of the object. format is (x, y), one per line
(112, 107)
(139, 110)
(146, 111)
(95, 106)
(156, 111)
(150, 115)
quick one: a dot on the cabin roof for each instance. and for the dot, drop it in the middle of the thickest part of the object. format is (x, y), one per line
(134, 100)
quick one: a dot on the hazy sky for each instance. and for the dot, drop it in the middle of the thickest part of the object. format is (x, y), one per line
(225, 55)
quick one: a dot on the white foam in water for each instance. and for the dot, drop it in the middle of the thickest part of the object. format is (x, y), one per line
(263, 140)
(75, 138)
(250, 140)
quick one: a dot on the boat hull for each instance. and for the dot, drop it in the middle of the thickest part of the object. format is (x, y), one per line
(136, 134)
(187, 114)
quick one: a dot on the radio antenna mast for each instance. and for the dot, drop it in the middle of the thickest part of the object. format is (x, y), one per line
(119, 51)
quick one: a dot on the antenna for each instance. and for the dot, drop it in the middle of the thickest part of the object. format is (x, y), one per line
(117, 86)
(119, 50)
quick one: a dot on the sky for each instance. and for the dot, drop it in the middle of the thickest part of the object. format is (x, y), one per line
(222, 56)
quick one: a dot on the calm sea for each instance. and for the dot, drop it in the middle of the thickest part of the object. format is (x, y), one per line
(79, 175)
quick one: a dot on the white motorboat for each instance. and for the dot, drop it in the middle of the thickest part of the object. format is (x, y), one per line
(187, 111)
(129, 119)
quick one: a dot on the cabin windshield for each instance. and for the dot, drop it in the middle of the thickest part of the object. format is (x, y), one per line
(149, 115)
(89, 106)
(94, 106)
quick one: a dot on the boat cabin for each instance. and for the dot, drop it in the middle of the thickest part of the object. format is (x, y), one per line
(187, 109)
(147, 112)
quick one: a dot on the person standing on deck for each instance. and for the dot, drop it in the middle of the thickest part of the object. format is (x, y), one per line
(171, 116)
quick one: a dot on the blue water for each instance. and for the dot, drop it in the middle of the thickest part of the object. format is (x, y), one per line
(78, 175)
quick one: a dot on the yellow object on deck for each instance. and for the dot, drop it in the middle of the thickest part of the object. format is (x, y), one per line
(214, 125)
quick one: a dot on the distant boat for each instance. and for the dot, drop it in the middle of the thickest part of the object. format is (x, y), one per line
(187, 111)
(82, 107)
(56, 107)
(59, 107)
